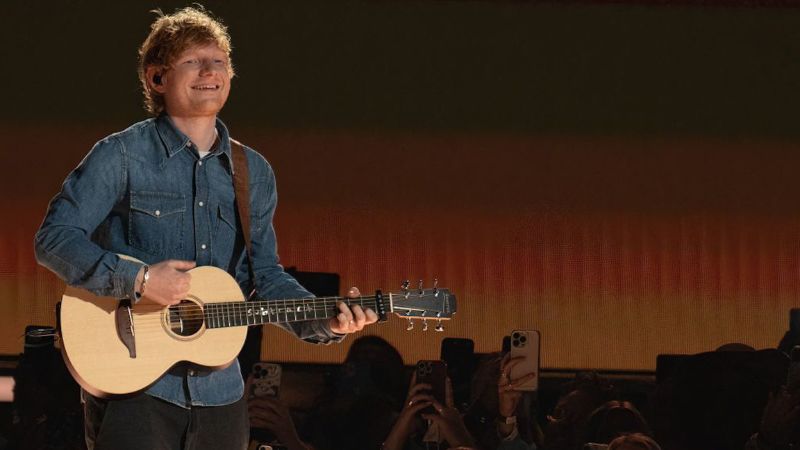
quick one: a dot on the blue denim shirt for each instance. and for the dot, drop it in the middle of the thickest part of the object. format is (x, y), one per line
(145, 192)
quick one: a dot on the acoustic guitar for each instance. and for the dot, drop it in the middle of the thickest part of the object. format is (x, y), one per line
(113, 347)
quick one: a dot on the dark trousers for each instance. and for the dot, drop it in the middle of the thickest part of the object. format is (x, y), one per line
(145, 422)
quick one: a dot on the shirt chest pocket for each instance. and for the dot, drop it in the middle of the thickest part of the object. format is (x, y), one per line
(155, 224)
(225, 234)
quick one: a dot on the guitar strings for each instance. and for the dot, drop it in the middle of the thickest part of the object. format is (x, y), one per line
(229, 314)
(196, 310)
(224, 308)
(236, 315)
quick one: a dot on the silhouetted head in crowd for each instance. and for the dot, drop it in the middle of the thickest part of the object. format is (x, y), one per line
(714, 400)
(734, 347)
(583, 395)
(614, 419)
(636, 441)
(374, 364)
(368, 393)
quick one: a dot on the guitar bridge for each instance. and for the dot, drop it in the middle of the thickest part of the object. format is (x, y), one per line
(124, 322)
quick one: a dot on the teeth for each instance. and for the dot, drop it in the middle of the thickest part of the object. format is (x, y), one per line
(206, 86)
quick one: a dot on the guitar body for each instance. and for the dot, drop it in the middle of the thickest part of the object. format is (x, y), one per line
(102, 363)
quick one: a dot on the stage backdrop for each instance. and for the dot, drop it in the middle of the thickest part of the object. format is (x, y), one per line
(621, 178)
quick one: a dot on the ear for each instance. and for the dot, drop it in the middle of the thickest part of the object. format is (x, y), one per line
(151, 73)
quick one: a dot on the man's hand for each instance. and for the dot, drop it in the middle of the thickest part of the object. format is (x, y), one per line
(168, 283)
(351, 319)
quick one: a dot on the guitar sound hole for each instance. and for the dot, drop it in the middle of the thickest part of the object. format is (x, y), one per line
(185, 318)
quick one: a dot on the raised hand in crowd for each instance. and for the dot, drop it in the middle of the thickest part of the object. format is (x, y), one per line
(508, 397)
(780, 423)
(418, 398)
(448, 419)
(270, 414)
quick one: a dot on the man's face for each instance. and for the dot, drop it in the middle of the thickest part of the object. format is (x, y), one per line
(197, 83)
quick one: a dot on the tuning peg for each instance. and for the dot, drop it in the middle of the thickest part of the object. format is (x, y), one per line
(435, 287)
(439, 326)
(424, 324)
(410, 325)
(420, 287)
(404, 285)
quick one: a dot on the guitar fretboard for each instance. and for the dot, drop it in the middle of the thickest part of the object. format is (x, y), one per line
(236, 314)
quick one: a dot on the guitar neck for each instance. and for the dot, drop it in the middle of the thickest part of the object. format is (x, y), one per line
(237, 314)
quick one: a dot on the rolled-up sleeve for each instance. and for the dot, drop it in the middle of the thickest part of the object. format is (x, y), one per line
(271, 281)
(63, 244)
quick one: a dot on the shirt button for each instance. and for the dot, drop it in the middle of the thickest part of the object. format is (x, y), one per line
(200, 203)
(158, 213)
(191, 372)
(189, 144)
(203, 246)
(199, 163)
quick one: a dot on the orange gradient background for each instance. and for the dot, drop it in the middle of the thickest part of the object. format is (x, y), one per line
(614, 253)
(618, 175)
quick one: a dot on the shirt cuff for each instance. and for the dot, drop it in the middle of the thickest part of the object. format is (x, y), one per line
(125, 278)
(323, 328)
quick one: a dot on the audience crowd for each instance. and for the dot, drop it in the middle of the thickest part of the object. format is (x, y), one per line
(732, 398)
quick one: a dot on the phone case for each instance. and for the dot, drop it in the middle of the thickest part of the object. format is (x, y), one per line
(525, 343)
(266, 380)
(435, 374)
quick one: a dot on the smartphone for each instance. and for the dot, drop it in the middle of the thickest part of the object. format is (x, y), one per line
(266, 380)
(433, 373)
(459, 355)
(525, 344)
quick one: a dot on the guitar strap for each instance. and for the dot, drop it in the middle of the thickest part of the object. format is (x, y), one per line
(242, 194)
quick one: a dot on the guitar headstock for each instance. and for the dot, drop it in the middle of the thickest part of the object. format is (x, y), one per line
(423, 304)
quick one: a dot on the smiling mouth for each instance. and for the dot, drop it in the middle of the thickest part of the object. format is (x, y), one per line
(206, 87)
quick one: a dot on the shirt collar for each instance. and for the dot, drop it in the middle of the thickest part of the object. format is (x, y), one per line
(175, 141)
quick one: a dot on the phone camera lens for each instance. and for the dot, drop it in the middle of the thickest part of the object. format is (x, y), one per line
(515, 336)
(516, 342)
(523, 339)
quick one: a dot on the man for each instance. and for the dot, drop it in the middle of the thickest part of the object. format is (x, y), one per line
(161, 191)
